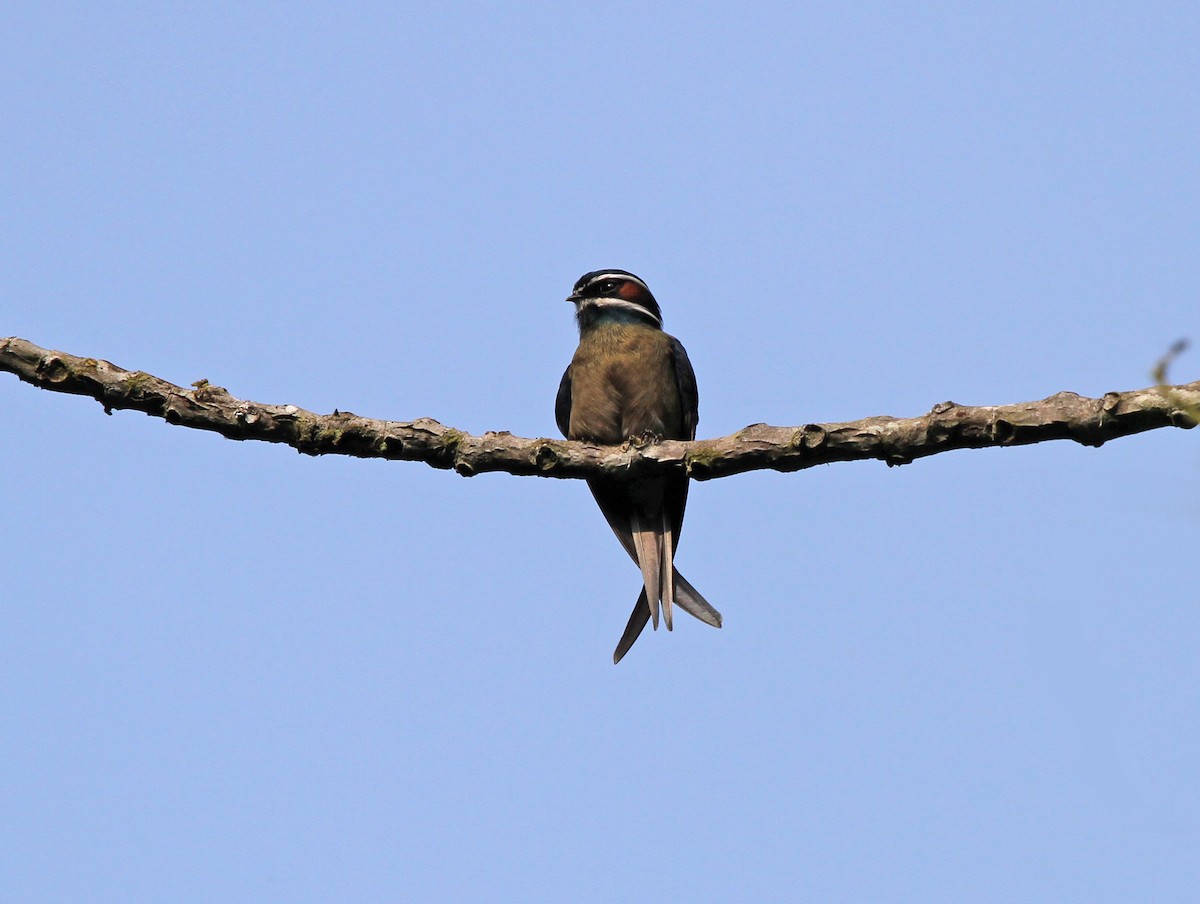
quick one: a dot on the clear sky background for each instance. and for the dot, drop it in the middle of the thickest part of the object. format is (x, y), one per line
(229, 672)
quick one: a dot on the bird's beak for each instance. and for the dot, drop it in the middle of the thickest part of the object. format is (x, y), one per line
(573, 298)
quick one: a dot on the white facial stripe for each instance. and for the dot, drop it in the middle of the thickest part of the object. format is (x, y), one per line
(620, 276)
(620, 304)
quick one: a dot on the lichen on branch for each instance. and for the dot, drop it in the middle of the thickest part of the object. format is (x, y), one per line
(895, 441)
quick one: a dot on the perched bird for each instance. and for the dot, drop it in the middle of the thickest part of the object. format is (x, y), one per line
(629, 379)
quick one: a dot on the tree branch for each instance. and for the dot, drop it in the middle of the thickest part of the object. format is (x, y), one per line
(895, 441)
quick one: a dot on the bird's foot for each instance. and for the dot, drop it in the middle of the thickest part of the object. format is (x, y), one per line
(643, 439)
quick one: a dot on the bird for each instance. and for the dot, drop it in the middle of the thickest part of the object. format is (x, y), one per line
(630, 380)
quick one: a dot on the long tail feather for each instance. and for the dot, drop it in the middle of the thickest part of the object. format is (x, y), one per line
(667, 548)
(688, 598)
(670, 583)
(646, 542)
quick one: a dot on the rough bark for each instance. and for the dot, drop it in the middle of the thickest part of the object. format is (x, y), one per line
(895, 441)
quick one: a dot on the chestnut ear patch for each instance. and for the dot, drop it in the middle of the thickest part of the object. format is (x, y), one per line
(630, 291)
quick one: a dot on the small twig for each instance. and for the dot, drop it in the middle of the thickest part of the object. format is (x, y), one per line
(1171, 393)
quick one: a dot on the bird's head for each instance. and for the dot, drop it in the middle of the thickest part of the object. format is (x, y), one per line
(614, 295)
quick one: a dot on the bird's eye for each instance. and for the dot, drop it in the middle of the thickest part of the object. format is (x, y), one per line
(608, 285)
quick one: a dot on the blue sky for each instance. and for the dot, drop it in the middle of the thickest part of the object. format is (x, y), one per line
(230, 672)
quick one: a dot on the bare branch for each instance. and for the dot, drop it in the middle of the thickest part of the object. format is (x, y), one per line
(895, 441)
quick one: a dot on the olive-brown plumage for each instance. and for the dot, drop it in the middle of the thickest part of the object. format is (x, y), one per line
(629, 379)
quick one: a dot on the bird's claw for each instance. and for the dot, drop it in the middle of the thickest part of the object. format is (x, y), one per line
(645, 438)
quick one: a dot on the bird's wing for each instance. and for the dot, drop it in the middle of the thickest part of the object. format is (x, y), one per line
(562, 403)
(687, 597)
(689, 394)
(637, 621)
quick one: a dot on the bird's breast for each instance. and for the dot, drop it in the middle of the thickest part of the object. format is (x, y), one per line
(623, 384)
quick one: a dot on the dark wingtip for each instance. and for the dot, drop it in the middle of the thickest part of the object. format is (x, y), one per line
(688, 599)
(633, 628)
(623, 647)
